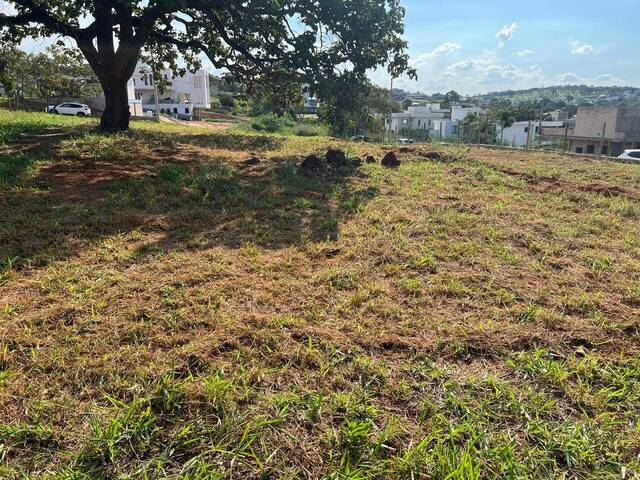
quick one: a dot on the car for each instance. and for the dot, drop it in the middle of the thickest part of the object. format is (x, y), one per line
(78, 109)
(360, 138)
(406, 141)
(633, 155)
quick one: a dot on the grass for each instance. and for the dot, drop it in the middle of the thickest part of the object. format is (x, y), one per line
(169, 311)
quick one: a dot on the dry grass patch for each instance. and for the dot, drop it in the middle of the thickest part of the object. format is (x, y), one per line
(169, 310)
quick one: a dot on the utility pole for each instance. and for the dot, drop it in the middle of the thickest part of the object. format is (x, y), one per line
(604, 131)
(529, 135)
(540, 127)
(479, 122)
(566, 135)
(155, 94)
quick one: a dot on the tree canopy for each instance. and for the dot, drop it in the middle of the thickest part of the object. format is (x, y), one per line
(306, 41)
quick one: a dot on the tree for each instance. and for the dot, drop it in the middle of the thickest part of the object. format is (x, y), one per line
(227, 100)
(505, 119)
(450, 98)
(255, 40)
(55, 73)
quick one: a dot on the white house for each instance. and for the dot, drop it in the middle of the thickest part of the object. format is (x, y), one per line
(521, 134)
(459, 113)
(181, 96)
(445, 128)
(415, 119)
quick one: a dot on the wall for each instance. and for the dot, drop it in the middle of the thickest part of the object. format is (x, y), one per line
(628, 122)
(590, 120)
(459, 113)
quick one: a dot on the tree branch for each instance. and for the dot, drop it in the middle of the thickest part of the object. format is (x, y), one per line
(40, 14)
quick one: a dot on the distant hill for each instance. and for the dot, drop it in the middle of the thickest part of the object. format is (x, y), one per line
(571, 96)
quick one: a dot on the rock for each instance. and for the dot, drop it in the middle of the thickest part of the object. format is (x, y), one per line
(370, 159)
(356, 162)
(433, 155)
(390, 160)
(406, 150)
(336, 158)
(312, 164)
(251, 161)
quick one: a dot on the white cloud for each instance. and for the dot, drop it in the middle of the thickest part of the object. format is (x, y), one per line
(602, 80)
(464, 65)
(446, 48)
(579, 48)
(501, 74)
(525, 53)
(506, 34)
(7, 8)
(570, 79)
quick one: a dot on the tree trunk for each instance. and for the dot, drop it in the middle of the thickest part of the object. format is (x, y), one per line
(115, 117)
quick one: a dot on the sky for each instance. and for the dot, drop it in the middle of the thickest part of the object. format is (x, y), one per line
(475, 46)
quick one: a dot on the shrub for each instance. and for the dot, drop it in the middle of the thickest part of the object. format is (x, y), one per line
(271, 123)
(306, 131)
(227, 100)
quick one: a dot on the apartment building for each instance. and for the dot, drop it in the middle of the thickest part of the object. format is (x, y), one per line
(181, 96)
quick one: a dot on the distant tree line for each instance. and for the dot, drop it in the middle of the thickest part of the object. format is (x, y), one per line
(37, 79)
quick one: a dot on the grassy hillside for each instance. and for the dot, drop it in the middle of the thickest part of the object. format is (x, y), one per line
(169, 309)
(572, 96)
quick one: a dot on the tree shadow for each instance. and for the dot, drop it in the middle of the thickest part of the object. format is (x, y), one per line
(189, 205)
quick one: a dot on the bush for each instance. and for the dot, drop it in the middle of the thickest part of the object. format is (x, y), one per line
(227, 100)
(306, 131)
(271, 123)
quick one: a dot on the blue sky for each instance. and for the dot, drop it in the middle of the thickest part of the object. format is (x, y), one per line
(474, 47)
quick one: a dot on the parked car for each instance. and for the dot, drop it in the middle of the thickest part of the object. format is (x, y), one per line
(79, 109)
(360, 138)
(631, 155)
(406, 141)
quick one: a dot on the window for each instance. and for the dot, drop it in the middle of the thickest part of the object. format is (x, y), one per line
(405, 121)
(634, 154)
(537, 130)
(175, 110)
(591, 149)
(454, 129)
(186, 109)
(579, 149)
(526, 129)
(419, 122)
(605, 150)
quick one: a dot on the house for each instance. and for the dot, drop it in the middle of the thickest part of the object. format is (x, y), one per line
(311, 102)
(459, 112)
(525, 133)
(606, 131)
(559, 115)
(445, 128)
(181, 96)
(416, 119)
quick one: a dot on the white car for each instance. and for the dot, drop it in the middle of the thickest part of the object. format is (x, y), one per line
(78, 109)
(406, 141)
(631, 155)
